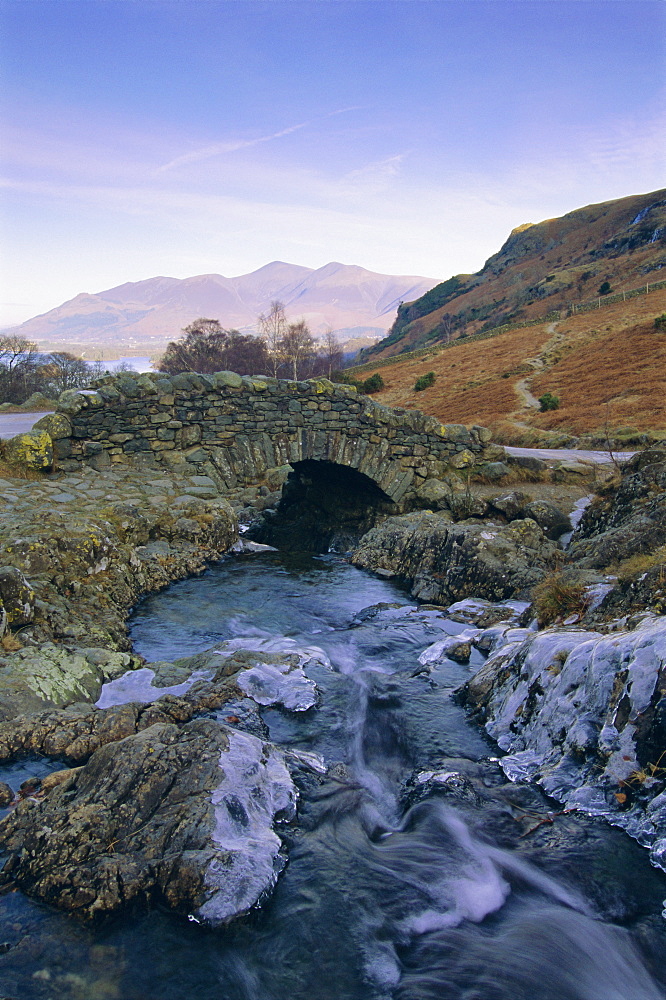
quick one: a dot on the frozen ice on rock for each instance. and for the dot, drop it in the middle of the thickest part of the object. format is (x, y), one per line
(255, 792)
(137, 685)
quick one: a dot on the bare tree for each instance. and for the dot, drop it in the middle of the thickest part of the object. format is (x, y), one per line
(62, 370)
(447, 326)
(297, 346)
(332, 352)
(273, 328)
(19, 363)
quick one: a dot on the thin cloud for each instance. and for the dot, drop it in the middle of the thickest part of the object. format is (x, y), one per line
(232, 146)
(378, 170)
(220, 148)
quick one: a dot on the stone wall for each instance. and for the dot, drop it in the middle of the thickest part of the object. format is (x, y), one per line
(235, 428)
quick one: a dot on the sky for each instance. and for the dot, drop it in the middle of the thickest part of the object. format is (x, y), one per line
(183, 137)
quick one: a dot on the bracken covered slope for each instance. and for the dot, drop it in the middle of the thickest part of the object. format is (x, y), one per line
(543, 267)
(605, 366)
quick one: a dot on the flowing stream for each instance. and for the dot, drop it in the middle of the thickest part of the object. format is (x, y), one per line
(415, 871)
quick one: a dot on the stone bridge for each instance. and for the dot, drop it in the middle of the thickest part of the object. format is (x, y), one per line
(235, 429)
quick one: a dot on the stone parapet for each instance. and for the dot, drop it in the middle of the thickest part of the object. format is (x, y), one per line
(235, 428)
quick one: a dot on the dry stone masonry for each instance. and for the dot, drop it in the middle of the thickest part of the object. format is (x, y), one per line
(234, 429)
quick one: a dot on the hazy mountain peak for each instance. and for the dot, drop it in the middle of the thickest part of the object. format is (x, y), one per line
(144, 315)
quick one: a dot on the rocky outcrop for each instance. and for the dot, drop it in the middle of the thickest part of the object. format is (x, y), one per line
(626, 519)
(444, 562)
(73, 734)
(32, 449)
(182, 816)
(77, 552)
(155, 804)
(584, 714)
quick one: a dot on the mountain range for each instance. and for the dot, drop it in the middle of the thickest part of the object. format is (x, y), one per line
(142, 316)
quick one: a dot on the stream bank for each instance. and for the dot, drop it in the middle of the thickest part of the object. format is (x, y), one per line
(413, 865)
(352, 748)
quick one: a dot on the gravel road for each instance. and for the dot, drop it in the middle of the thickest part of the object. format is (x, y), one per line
(571, 455)
(18, 423)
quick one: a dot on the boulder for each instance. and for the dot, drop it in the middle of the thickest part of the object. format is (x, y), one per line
(56, 425)
(493, 470)
(527, 462)
(434, 494)
(510, 504)
(465, 504)
(34, 449)
(550, 518)
(444, 562)
(36, 401)
(183, 817)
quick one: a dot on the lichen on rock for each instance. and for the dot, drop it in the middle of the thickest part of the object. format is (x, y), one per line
(182, 816)
(33, 449)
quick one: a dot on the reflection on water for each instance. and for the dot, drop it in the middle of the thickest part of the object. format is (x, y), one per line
(394, 888)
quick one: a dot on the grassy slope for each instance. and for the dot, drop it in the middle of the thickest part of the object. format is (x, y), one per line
(547, 266)
(607, 366)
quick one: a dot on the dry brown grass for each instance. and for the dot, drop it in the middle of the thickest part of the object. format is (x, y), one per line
(613, 373)
(472, 379)
(10, 644)
(558, 596)
(608, 369)
(635, 566)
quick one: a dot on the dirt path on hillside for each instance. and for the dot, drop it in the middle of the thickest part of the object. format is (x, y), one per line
(538, 364)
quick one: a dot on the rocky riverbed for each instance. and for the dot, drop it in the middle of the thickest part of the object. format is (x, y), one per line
(78, 550)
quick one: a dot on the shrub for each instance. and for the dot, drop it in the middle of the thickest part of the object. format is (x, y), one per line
(375, 383)
(605, 288)
(548, 402)
(558, 596)
(660, 322)
(424, 381)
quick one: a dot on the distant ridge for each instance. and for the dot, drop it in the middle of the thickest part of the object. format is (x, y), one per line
(145, 315)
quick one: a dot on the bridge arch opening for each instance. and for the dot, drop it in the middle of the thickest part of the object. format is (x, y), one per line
(324, 506)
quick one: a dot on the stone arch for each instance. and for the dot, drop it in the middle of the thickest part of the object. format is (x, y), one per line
(323, 503)
(234, 429)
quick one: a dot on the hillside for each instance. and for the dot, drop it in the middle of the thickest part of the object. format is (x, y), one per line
(541, 268)
(141, 317)
(606, 366)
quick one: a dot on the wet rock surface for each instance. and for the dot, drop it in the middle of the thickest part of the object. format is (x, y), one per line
(627, 519)
(77, 551)
(583, 714)
(182, 816)
(444, 562)
(147, 816)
